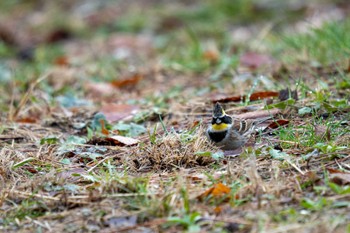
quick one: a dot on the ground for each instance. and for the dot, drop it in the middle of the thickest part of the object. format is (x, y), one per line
(104, 105)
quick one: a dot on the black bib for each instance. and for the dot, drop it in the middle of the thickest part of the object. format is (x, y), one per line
(217, 136)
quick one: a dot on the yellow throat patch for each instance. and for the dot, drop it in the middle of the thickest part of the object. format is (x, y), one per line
(219, 127)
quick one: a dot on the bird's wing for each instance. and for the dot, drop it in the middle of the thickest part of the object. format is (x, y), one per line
(243, 126)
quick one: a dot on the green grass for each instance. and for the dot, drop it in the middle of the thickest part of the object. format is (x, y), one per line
(325, 45)
(26, 208)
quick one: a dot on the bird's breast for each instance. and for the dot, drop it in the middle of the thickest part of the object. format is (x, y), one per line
(220, 127)
(217, 136)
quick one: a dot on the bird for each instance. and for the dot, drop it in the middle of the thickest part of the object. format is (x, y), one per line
(227, 132)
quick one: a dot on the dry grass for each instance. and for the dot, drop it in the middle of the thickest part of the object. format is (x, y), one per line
(171, 152)
(148, 180)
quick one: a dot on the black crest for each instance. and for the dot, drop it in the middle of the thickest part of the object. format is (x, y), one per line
(218, 111)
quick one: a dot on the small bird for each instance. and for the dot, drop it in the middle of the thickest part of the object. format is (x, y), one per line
(226, 132)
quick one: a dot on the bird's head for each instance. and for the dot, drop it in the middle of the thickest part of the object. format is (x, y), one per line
(220, 121)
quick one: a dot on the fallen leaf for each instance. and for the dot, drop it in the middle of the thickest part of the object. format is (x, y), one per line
(211, 55)
(103, 128)
(59, 34)
(253, 97)
(262, 95)
(123, 141)
(196, 178)
(217, 210)
(278, 123)
(61, 61)
(217, 191)
(287, 94)
(338, 177)
(26, 120)
(254, 60)
(194, 124)
(30, 169)
(259, 114)
(229, 99)
(115, 112)
(127, 82)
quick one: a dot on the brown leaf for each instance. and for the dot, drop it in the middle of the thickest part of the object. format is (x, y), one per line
(103, 128)
(278, 123)
(196, 178)
(217, 191)
(30, 169)
(27, 120)
(115, 140)
(258, 114)
(254, 60)
(59, 34)
(211, 55)
(263, 95)
(115, 112)
(194, 124)
(218, 210)
(127, 82)
(61, 61)
(229, 99)
(123, 141)
(253, 97)
(339, 177)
